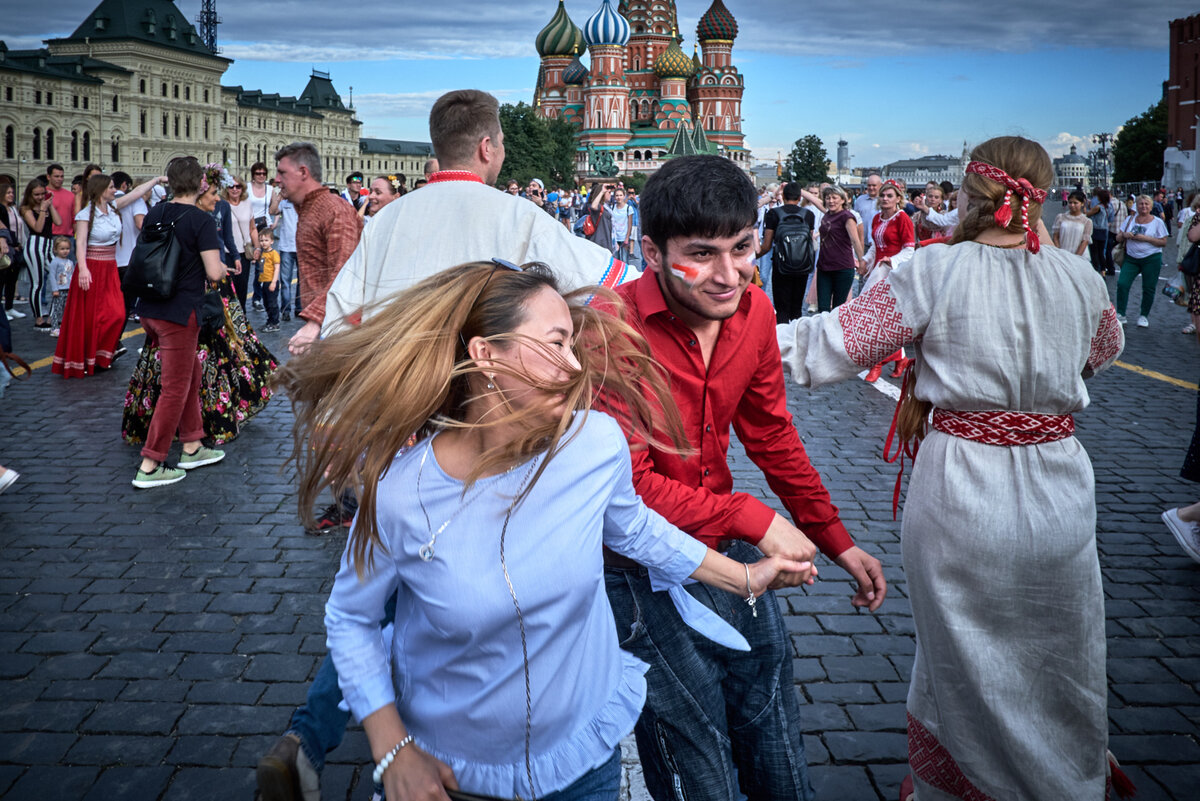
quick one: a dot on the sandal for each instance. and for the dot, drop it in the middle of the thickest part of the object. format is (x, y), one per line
(1190, 328)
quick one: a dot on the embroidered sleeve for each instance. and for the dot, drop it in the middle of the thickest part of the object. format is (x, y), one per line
(1107, 344)
(833, 347)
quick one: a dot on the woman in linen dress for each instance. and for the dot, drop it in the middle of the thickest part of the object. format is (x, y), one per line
(1073, 229)
(1008, 692)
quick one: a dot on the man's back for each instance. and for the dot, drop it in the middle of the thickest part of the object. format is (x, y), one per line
(456, 221)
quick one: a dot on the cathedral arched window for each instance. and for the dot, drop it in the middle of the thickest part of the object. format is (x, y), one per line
(74, 146)
(10, 143)
(87, 146)
(49, 143)
(645, 107)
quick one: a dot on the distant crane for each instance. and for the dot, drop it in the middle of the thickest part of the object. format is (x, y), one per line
(208, 22)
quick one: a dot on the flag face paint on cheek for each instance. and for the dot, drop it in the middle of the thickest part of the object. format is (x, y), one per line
(689, 275)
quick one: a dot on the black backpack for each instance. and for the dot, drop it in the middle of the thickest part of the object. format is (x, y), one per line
(156, 261)
(792, 247)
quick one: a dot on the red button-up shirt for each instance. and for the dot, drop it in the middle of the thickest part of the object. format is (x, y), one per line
(742, 387)
(327, 232)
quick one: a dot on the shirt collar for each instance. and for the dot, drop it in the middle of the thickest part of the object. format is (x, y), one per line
(310, 196)
(454, 175)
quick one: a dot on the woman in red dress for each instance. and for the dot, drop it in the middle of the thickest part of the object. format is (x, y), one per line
(893, 239)
(95, 313)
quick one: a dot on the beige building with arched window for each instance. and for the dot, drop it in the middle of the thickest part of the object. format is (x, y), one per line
(134, 86)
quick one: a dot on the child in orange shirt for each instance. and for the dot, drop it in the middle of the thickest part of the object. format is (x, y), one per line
(268, 278)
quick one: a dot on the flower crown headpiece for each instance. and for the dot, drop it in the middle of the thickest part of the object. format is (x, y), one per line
(216, 175)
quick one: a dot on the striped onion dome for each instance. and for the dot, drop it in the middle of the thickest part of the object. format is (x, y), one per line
(717, 23)
(561, 36)
(606, 27)
(575, 73)
(673, 63)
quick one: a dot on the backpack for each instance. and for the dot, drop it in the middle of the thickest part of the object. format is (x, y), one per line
(792, 248)
(155, 263)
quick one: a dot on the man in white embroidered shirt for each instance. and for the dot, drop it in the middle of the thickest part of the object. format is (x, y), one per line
(460, 217)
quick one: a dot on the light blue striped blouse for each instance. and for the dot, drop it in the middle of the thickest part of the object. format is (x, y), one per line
(456, 670)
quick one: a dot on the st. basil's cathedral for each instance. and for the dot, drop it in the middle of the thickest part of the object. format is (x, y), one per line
(641, 99)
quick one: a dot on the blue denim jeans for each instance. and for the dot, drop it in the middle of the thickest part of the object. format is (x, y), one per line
(319, 723)
(716, 720)
(287, 271)
(598, 784)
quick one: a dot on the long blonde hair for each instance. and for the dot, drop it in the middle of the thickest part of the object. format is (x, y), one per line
(363, 394)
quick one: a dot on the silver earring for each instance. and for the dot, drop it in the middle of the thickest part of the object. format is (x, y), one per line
(490, 383)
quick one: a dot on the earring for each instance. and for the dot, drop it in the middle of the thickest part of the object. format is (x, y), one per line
(491, 382)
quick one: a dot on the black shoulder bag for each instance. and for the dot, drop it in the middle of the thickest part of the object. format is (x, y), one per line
(156, 262)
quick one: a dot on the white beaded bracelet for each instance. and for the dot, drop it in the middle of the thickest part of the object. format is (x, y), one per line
(386, 762)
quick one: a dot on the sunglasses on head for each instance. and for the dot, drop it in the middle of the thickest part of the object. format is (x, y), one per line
(496, 264)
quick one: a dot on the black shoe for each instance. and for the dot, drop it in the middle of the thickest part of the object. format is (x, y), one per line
(119, 352)
(329, 519)
(287, 317)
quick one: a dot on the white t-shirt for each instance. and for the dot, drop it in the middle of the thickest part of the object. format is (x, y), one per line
(285, 228)
(1136, 248)
(620, 222)
(260, 206)
(106, 228)
(129, 229)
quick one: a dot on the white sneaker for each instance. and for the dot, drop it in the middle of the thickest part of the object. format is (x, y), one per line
(13, 314)
(1186, 534)
(1143, 322)
(1121, 319)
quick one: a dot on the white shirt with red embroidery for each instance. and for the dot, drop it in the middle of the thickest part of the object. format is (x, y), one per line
(455, 219)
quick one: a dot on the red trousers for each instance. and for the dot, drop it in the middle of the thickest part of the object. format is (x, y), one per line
(178, 407)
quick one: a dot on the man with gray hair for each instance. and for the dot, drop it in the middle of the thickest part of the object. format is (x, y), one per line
(327, 231)
(865, 204)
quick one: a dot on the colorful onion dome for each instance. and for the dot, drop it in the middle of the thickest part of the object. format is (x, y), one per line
(561, 36)
(606, 27)
(673, 63)
(717, 23)
(575, 73)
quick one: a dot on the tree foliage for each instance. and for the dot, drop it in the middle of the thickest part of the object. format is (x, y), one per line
(1138, 150)
(536, 147)
(808, 161)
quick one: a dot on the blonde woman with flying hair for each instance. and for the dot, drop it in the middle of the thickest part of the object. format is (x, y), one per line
(458, 413)
(1008, 693)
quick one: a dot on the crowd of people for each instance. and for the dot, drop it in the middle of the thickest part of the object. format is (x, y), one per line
(548, 387)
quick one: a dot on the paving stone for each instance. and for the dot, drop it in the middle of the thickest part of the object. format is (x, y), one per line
(123, 782)
(866, 746)
(87, 690)
(878, 717)
(278, 667)
(841, 783)
(53, 781)
(130, 717)
(140, 666)
(233, 719)
(111, 749)
(196, 784)
(206, 667)
(858, 668)
(168, 690)
(1163, 749)
(848, 692)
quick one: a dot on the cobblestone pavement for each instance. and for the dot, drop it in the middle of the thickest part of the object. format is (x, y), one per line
(155, 643)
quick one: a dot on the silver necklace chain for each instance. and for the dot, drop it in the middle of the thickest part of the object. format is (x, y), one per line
(427, 553)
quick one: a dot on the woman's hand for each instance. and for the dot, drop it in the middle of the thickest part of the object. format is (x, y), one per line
(416, 776)
(85, 277)
(777, 571)
(237, 266)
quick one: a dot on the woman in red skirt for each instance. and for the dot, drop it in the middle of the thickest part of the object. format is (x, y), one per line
(95, 313)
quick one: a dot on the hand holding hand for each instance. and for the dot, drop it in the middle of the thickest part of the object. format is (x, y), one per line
(785, 540)
(774, 572)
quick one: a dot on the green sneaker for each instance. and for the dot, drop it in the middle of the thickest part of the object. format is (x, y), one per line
(202, 457)
(158, 477)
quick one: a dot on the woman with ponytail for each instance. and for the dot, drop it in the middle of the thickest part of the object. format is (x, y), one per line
(458, 415)
(1008, 694)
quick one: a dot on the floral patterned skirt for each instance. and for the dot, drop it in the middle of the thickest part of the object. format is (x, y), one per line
(237, 368)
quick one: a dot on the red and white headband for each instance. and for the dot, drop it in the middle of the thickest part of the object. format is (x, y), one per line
(1019, 186)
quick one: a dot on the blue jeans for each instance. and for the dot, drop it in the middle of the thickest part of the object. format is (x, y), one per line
(287, 271)
(319, 723)
(716, 720)
(598, 784)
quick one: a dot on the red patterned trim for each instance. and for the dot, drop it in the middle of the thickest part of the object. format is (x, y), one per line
(614, 274)
(1107, 342)
(1005, 429)
(454, 175)
(933, 764)
(102, 252)
(872, 327)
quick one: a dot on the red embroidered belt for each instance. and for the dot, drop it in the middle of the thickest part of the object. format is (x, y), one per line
(1005, 429)
(103, 252)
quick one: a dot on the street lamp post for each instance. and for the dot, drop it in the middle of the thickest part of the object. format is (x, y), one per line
(1103, 139)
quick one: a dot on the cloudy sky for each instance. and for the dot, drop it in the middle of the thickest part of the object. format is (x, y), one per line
(895, 79)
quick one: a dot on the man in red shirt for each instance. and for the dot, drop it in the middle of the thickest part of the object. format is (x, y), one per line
(64, 202)
(716, 718)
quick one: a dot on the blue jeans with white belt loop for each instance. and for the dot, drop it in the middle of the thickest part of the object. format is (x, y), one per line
(716, 720)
